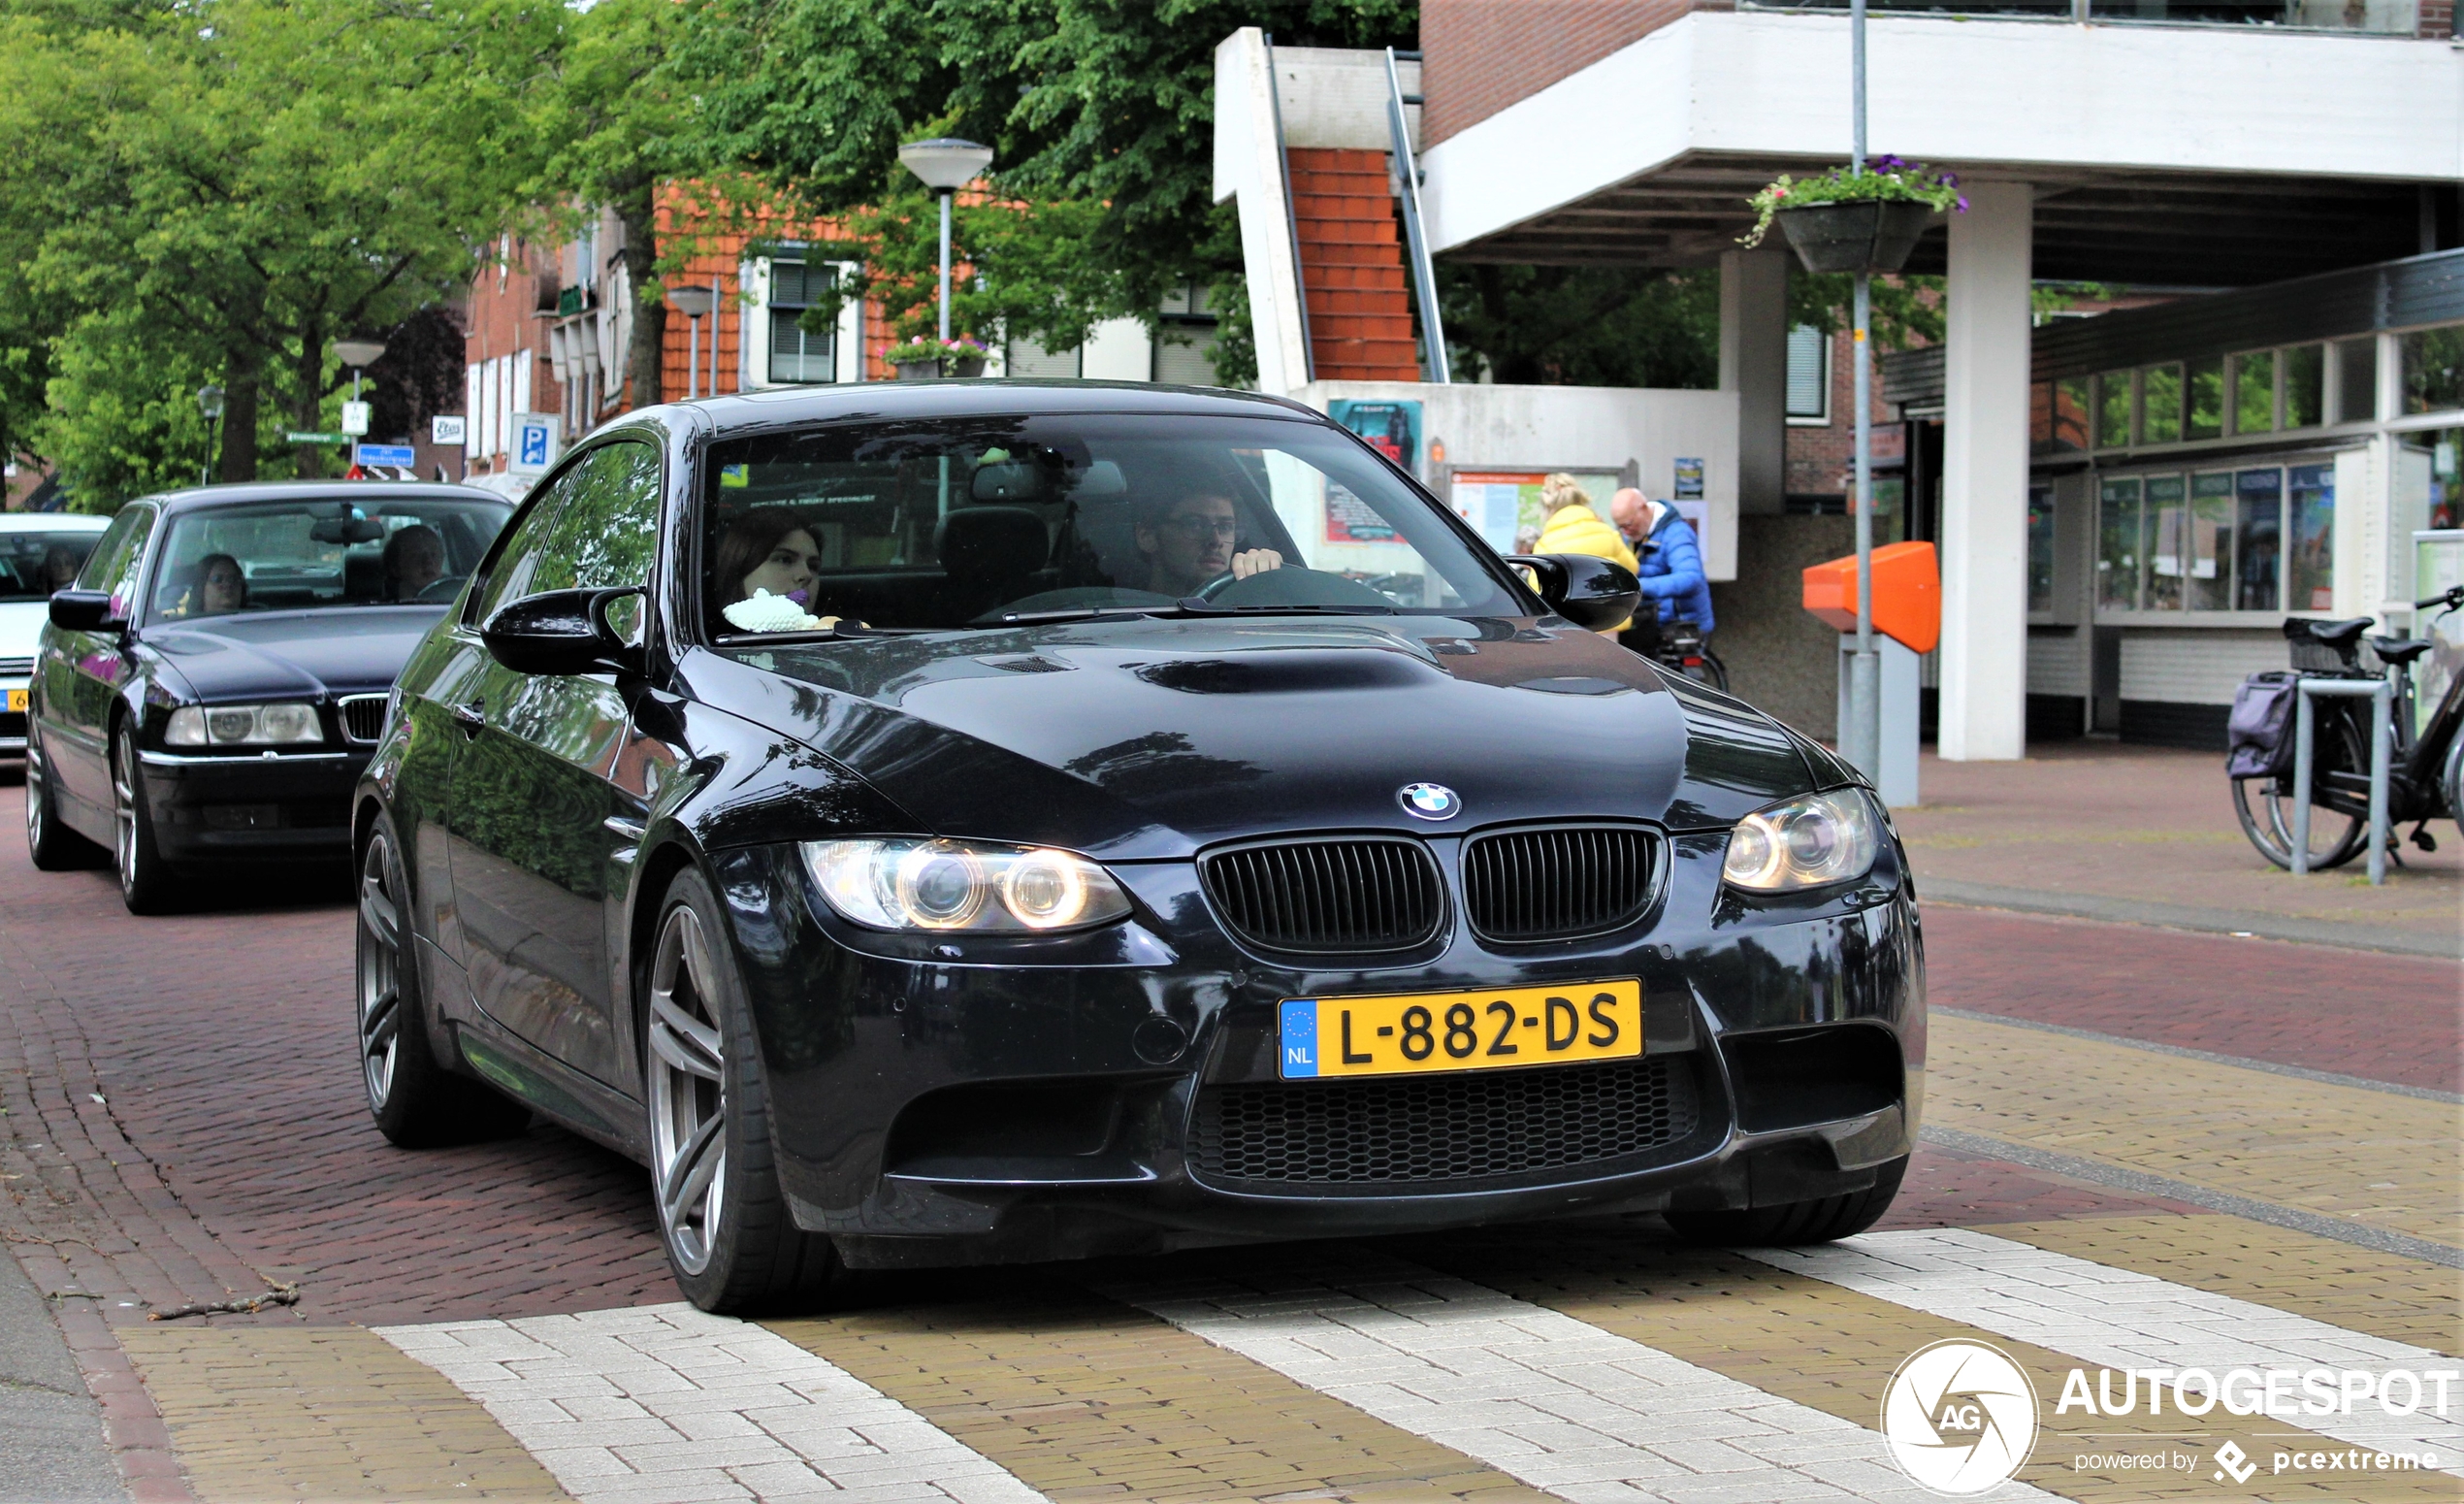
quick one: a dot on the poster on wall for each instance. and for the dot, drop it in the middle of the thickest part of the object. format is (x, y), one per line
(1392, 428)
(1351, 520)
(1686, 495)
(1504, 507)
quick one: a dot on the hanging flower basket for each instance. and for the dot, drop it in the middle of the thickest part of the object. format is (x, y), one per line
(928, 359)
(926, 370)
(1856, 221)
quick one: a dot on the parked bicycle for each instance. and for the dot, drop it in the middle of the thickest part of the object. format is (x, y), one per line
(2425, 772)
(1677, 646)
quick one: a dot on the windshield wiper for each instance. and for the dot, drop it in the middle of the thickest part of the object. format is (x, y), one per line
(1193, 606)
(1079, 613)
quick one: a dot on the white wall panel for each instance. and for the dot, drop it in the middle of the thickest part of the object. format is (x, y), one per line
(2193, 666)
(2058, 661)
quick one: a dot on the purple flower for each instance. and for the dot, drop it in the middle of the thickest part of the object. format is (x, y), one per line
(798, 596)
(1963, 203)
(1886, 164)
(1950, 180)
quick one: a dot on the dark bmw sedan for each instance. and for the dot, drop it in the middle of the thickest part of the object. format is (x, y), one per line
(959, 823)
(210, 688)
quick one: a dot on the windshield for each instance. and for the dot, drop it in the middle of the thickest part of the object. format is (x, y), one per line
(36, 562)
(981, 521)
(291, 555)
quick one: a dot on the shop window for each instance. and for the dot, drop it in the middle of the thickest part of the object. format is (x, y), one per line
(2358, 379)
(2310, 569)
(2432, 361)
(1808, 376)
(2112, 410)
(2258, 496)
(2211, 579)
(2254, 392)
(2117, 545)
(2205, 399)
(2168, 544)
(2070, 414)
(799, 354)
(2304, 385)
(2040, 418)
(2446, 501)
(2040, 549)
(2160, 405)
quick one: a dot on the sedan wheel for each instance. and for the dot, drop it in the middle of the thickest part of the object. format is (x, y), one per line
(52, 846)
(732, 1241)
(146, 885)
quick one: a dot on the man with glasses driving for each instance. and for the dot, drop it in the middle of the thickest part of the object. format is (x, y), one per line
(1188, 544)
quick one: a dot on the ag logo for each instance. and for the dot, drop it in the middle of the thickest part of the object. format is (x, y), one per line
(1430, 801)
(1960, 1417)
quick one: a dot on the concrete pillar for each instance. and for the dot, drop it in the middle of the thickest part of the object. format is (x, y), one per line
(1984, 661)
(1754, 365)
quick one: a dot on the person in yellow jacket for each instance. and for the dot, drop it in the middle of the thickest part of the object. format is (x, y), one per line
(1573, 527)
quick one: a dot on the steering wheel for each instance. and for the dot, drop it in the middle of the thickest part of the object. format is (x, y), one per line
(442, 589)
(1293, 585)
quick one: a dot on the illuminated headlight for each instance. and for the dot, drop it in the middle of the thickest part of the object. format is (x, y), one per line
(1805, 843)
(962, 885)
(231, 726)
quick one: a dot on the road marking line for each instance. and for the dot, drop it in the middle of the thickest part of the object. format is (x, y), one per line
(2118, 1319)
(1559, 1403)
(665, 1403)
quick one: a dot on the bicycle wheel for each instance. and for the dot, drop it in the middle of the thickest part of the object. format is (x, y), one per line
(2266, 810)
(1709, 670)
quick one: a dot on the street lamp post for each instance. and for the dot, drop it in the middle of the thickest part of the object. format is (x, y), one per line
(946, 164)
(356, 354)
(692, 303)
(1862, 737)
(210, 403)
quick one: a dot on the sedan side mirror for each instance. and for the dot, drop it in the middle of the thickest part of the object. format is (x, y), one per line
(84, 610)
(560, 631)
(1594, 594)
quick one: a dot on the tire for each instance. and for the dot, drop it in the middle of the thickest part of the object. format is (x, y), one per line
(416, 1101)
(2451, 785)
(52, 845)
(146, 883)
(2267, 814)
(732, 1243)
(1792, 1222)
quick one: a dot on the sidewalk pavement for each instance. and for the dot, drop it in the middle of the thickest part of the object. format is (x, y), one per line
(2148, 835)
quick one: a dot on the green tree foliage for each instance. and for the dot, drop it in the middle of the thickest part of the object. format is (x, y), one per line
(1100, 111)
(221, 201)
(1582, 326)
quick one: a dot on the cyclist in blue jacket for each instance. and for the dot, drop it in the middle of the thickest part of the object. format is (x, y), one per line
(1671, 573)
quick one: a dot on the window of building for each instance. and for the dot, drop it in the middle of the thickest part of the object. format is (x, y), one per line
(2160, 405)
(2309, 532)
(2254, 392)
(2204, 399)
(2040, 549)
(2210, 587)
(2112, 410)
(2358, 379)
(2117, 545)
(1185, 337)
(2304, 385)
(2259, 540)
(2432, 361)
(799, 354)
(2168, 544)
(1808, 376)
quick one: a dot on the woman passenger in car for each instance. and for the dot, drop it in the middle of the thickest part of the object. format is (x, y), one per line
(768, 549)
(220, 588)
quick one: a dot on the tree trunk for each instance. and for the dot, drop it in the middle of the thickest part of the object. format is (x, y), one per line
(647, 350)
(308, 407)
(241, 382)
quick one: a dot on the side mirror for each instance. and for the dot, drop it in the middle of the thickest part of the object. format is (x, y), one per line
(560, 631)
(84, 610)
(1594, 594)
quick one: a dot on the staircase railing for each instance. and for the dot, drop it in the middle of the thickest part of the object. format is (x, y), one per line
(1424, 279)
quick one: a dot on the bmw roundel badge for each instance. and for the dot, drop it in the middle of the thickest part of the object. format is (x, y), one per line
(1429, 800)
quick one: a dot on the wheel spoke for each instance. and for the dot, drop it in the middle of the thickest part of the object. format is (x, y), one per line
(380, 1022)
(376, 910)
(684, 1042)
(698, 1162)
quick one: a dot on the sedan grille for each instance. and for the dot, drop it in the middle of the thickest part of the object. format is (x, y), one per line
(364, 716)
(1556, 883)
(1328, 896)
(16, 668)
(1421, 1129)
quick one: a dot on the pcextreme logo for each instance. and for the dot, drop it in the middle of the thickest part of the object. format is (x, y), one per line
(1960, 1417)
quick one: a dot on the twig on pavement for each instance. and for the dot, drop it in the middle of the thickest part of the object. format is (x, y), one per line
(280, 1294)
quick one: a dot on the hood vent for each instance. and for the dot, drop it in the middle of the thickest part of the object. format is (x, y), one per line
(1336, 896)
(1556, 882)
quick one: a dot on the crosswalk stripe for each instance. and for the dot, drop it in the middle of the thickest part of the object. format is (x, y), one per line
(665, 1405)
(1554, 1401)
(2119, 1318)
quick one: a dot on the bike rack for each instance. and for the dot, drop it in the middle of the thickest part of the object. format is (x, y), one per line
(2381, 696)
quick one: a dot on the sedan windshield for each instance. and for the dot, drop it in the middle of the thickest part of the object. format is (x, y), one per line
(291, 555)
(34, 562)
(988, 521)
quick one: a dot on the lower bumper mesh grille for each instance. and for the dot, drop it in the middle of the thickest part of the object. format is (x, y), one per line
(1402, 1131)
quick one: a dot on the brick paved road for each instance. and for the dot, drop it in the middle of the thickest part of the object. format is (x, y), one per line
(184, 1124)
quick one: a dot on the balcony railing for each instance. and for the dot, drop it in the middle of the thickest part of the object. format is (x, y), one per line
(2384, 18)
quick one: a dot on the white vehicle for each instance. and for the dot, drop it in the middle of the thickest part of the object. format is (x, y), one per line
(39, 552)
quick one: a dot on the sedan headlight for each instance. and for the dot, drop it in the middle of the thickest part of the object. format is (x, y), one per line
(231, 726)
(1805, 843)
(916, 884)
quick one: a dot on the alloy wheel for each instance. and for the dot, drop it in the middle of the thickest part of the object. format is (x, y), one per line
(688, 1091)
(380, 969)
(33, 797)
(124, 813)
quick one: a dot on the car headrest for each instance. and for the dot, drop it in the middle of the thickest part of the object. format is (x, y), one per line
(985, 544)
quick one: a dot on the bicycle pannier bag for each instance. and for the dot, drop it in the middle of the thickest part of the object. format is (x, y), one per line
(2258, 738)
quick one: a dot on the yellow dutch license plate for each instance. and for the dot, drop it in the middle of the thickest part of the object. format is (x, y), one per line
(16, 699)
(1424, 1033)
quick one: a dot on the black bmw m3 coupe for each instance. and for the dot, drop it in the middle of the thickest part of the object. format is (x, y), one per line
(959, 823)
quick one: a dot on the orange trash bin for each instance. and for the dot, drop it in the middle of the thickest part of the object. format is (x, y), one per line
(1907, 594)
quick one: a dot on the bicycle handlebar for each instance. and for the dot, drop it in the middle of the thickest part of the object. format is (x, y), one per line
(2453, 600)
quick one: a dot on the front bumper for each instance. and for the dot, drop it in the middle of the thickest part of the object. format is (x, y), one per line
(252, 807)
(1066, 1096)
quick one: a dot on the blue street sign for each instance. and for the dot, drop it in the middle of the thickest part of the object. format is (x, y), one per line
(535, 438)
(393, 456)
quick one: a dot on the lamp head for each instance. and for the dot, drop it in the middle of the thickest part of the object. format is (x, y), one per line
(945, 162)
(690, 301)
(209, 400)
(360, 353)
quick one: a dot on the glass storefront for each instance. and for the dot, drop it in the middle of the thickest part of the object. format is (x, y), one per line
(2208, 540)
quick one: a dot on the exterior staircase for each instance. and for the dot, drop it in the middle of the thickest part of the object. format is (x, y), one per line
(1351, 267)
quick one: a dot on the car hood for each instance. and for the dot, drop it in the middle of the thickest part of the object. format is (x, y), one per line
(297, 654)
(1151, 737)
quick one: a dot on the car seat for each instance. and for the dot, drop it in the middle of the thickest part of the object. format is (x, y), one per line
(989, 553)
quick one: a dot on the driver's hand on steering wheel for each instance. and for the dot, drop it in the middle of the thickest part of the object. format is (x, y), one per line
(1256, 561)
